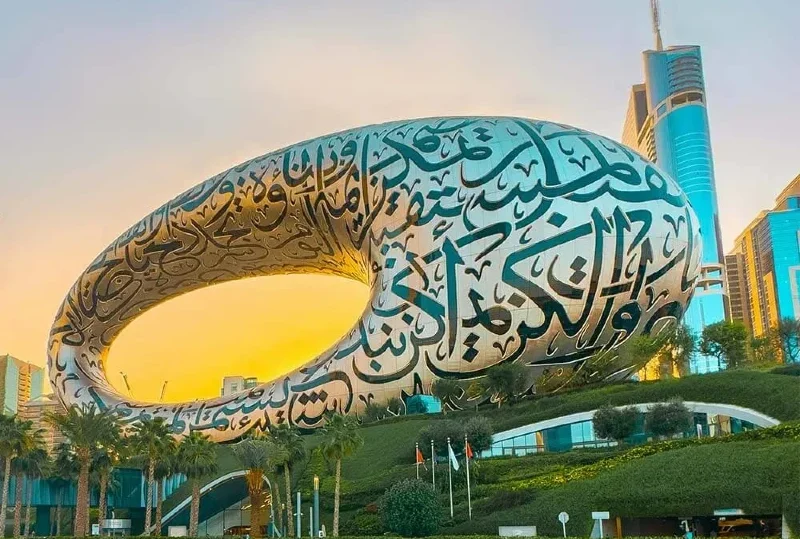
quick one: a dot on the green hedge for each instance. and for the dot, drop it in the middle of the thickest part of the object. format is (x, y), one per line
(757, 476)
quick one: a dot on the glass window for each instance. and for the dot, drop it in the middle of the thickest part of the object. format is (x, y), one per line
(661, 110)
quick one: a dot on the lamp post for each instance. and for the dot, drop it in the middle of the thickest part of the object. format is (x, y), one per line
(299, 514)
(316, 506)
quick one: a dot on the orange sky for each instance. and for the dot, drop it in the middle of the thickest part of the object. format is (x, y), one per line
(111, 109)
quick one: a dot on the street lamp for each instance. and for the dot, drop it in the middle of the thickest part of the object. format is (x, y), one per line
(316, 506)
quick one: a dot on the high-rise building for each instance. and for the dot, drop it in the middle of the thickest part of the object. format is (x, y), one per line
(667, 122)
(234, 384)
(19, 382)
(36, 410)
(764, 265)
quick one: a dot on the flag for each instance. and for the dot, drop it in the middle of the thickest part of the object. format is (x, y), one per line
(420, 458)
(453, 459)
(468, 451)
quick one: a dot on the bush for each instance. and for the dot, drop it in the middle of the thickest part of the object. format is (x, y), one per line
(411, 509)
(616, 424)
(439, 432)
(363, 523)
(479, 433)
(373, 412)
(668, 418)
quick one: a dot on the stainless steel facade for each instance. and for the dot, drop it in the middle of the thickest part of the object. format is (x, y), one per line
(484, 240)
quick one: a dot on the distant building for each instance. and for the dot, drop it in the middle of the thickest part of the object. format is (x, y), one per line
(764, 265)
(235, 384)
(36, 410)
(19, 382)
(667, 122)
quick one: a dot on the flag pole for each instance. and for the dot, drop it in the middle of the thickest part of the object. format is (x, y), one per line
(450, 475)
(416, 458)
(469, 493)
(433, 465)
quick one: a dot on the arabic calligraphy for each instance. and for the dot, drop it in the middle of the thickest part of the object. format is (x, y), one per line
(484, 240)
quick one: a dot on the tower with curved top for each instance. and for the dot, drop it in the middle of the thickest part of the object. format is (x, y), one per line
(667, 121)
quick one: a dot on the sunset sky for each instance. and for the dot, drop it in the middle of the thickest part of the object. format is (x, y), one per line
(109, 109)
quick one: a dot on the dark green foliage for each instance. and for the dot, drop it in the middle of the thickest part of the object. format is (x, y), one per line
(479, 432)
(727, 341)
(505, 499)
(373, 412)
(788, 331)
(411, 509)
(478, 429)
(788, 370)
(616, 424)
(395, 406)
(668, 418)
(440, 432)
(363, 523)
(446, 391)
(506, 382)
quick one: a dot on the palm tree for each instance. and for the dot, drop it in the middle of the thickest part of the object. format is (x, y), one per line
(150, 439)
(63, 472)
(340, 439)
(105, 458)
(14, 440)
(27, 441)
(165, 467)
(31, 465)
(258, 456)
(86, 428)
(196, 458)
(287, 437)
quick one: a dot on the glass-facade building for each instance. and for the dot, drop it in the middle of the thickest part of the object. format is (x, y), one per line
(667, 122)
(764, 265)
(581, 435)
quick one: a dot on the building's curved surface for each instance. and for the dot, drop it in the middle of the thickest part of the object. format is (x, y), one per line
(484, 240)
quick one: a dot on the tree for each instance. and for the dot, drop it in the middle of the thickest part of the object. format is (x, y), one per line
(105, 457)
(789, 335)
(288, 438)
(668, 418)
(395, 405)
(30, 465)
(63, 472)
(679, 348)
(447, 391)
(506, 381)
(616, 424)
(726, 341)
(411, 508)
(479, 431)
(373, 412)
(164, 468)
(151, 439)
(340, 439)
(259, 457)
(766, 348)
(196, 458)
(438, 432)
(16, 438)
(638, 350)
(86, 428)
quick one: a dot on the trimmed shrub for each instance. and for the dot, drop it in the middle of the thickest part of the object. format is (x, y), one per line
(615, 423)
(363, 523)
(479, 432)
(411, 509)
(668, 418)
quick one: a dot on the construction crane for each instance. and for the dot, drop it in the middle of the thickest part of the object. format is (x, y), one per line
(656, 24)
(125, 379)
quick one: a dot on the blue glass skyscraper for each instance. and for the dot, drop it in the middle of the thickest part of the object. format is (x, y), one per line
(667, 122)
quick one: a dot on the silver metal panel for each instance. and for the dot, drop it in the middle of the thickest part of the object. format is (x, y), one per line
(484, 240)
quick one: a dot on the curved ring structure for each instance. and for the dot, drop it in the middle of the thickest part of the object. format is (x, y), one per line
(484, 240)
